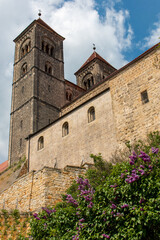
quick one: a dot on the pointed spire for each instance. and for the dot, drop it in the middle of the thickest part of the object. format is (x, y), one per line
(94, 47)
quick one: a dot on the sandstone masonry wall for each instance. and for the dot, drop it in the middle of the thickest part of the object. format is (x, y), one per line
(38, 189)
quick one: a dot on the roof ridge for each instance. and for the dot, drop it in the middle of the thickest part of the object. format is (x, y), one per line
(93, 56)
(41, 23)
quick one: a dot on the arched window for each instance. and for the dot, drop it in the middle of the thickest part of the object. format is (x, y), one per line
(65, 129)
(23, 69)
(52, 51)
(25, 47)
(22, 52)
(40, 143)
(29, 46)
(69, 95)
(88, 81)
(48, 46)
(47, 49)
(42, 46)
(91, 114)
(48, 68)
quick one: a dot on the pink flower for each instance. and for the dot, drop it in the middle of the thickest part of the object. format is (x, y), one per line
(106, 236)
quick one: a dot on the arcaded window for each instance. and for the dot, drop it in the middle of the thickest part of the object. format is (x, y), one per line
(40, 143)
(69, 95)
(144, 97)
(43, 46)
(65, 129)
(48, 46)
(48, 68)
(88, 81)
(52, 51)
(24, 69)
(25, 47)
(91, 114)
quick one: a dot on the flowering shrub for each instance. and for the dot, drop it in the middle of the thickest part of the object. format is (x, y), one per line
(125, 204)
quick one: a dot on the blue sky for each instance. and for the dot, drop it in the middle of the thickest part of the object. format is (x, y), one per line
(121, 30)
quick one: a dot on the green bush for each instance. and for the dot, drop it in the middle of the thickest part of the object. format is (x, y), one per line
(120, 201)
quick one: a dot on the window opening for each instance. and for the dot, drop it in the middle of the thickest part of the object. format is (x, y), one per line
(144, 97)
(91, 114)
(20, 142)
(47, 49)
(65, 129)
(40, 143)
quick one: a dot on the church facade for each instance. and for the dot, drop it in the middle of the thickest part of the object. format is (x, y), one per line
(55, 123)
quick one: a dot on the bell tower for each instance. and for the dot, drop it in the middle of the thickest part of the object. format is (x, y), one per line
(93, 71)
(38, 84)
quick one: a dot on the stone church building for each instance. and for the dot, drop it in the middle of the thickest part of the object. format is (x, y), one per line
(55, 122)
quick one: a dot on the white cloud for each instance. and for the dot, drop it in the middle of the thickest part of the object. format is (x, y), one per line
(79, 22)
(154, 36)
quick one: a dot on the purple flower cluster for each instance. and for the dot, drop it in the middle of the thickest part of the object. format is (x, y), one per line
(48, 211)
(155, 150)
(76, 237)
(86, 191)
(145, 157)
(113, 206)
(106, 236)
(132, 178)
(124, 206)
(114, 186)
(83, 183)
(137, 173)
(35, 215)
(70, 199)
(133, 158)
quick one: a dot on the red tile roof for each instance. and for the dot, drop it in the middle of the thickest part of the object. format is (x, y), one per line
(94, 55)
(43, 24)
(3, 166)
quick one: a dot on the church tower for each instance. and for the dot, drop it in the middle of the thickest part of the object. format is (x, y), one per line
(94, 70)
(38, 84)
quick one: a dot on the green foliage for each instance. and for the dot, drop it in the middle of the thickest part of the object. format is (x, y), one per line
(98, 174)
(19, 164)
(124, 205)
(10, 225)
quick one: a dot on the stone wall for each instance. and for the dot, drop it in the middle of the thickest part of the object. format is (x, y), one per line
(38, 189)
(133, 118)
(84, 137)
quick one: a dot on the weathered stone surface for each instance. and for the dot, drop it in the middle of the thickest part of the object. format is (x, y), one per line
(38, 189)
